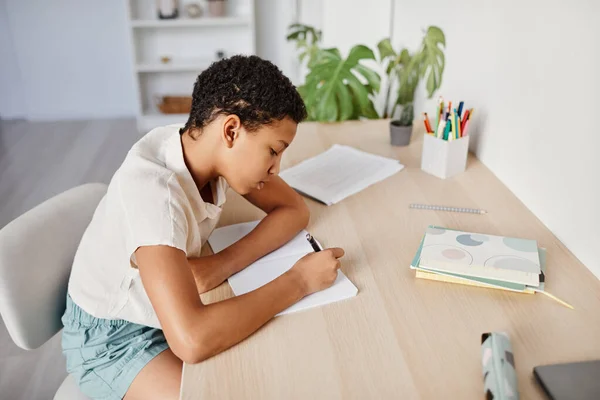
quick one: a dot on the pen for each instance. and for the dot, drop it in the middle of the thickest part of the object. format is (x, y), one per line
(313, 243)
(440, 111)
(447, 129)
(456, 125)
(440, 129)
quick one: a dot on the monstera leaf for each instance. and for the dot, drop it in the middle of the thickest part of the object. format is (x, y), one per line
(407, 69)
(432, 58)
(333, 90)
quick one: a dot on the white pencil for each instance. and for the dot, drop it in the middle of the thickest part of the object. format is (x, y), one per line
(444, 208)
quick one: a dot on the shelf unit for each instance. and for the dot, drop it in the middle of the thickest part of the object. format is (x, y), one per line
(191, 44)
(187, 23)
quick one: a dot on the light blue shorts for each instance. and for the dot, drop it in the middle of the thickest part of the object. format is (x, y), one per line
(104, 356)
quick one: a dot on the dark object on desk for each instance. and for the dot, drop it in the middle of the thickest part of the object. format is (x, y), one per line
(313, 243)
(399, 134)
(571, 381)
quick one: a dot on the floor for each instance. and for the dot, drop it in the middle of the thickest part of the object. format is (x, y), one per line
(37, 161)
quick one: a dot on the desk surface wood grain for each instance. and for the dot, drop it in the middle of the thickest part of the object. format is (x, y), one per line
(403, 337)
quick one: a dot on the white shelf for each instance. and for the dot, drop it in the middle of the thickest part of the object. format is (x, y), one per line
(191, 44)
(173, 67)
(190, 23)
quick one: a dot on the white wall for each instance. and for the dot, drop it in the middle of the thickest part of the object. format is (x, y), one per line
(531, 70)
(347, 23)
(272, 19)
(73, 58)
(12, 102)
(533, 76)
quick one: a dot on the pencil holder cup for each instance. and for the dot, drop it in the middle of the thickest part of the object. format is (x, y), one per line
(444, 158)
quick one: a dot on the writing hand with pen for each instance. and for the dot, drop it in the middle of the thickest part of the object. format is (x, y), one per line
(317, 271)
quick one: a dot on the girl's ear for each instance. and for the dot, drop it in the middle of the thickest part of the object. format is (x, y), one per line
(231, 130)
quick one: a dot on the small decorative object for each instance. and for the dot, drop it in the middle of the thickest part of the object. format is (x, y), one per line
(444, 158)
(193, 10)
(216, 8)
(174, 104)
(400, 134)
(220, 54)
(167, 9)
(165, 59)
(407, 69)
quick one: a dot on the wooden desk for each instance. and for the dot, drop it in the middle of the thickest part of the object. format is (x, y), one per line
(401, 337)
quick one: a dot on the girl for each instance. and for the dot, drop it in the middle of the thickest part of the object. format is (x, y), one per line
(133, 307)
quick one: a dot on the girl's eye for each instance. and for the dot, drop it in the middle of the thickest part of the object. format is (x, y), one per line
(273, 152)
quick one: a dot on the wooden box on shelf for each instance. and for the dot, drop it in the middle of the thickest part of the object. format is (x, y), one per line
(174, 104)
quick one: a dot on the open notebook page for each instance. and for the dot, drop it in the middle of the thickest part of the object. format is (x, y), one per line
(338, 173)
(274, 265)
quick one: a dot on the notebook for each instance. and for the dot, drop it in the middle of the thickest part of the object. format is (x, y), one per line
(499, 258)
(338, 173)
(442, 276)
(275, 264)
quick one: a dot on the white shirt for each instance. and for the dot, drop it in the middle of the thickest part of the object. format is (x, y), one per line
(151, 200)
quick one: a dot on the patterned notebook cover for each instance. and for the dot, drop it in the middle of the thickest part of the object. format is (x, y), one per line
(484, 256)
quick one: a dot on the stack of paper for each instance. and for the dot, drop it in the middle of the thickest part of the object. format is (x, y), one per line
(276, 264)
(338, 173)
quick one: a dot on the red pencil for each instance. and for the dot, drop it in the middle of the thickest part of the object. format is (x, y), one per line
(464, 121)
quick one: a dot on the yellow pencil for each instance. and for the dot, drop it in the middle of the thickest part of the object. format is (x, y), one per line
(553, 297)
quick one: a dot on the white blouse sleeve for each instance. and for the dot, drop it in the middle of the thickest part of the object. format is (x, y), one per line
(154, 212)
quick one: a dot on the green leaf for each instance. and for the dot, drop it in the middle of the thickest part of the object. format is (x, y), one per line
(431, 83)
(307, 40)
(372, 77)
(332, 53)
(360, 93)
(385, 49)
(327, 109)
(345, 101)
(332, 90)
(404, 58)
(433, 60)
(357, 53)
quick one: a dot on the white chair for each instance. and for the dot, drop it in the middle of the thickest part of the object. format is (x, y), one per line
(36, 254)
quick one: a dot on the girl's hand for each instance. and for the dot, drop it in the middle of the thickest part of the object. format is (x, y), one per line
(318, 271)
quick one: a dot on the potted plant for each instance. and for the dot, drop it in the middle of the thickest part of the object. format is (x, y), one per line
(336, 88)
(404, 71)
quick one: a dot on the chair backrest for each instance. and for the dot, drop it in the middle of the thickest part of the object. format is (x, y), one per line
(36, 255)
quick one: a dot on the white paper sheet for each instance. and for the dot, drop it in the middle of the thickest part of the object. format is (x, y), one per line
(276, 264)
(338, 173)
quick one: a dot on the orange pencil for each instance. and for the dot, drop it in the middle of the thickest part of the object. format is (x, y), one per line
(449, 107)
(427, 124)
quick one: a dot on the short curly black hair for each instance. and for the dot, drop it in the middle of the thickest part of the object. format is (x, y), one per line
(252, 88)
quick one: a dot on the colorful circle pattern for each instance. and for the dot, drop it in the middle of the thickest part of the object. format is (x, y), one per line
(472, 240)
